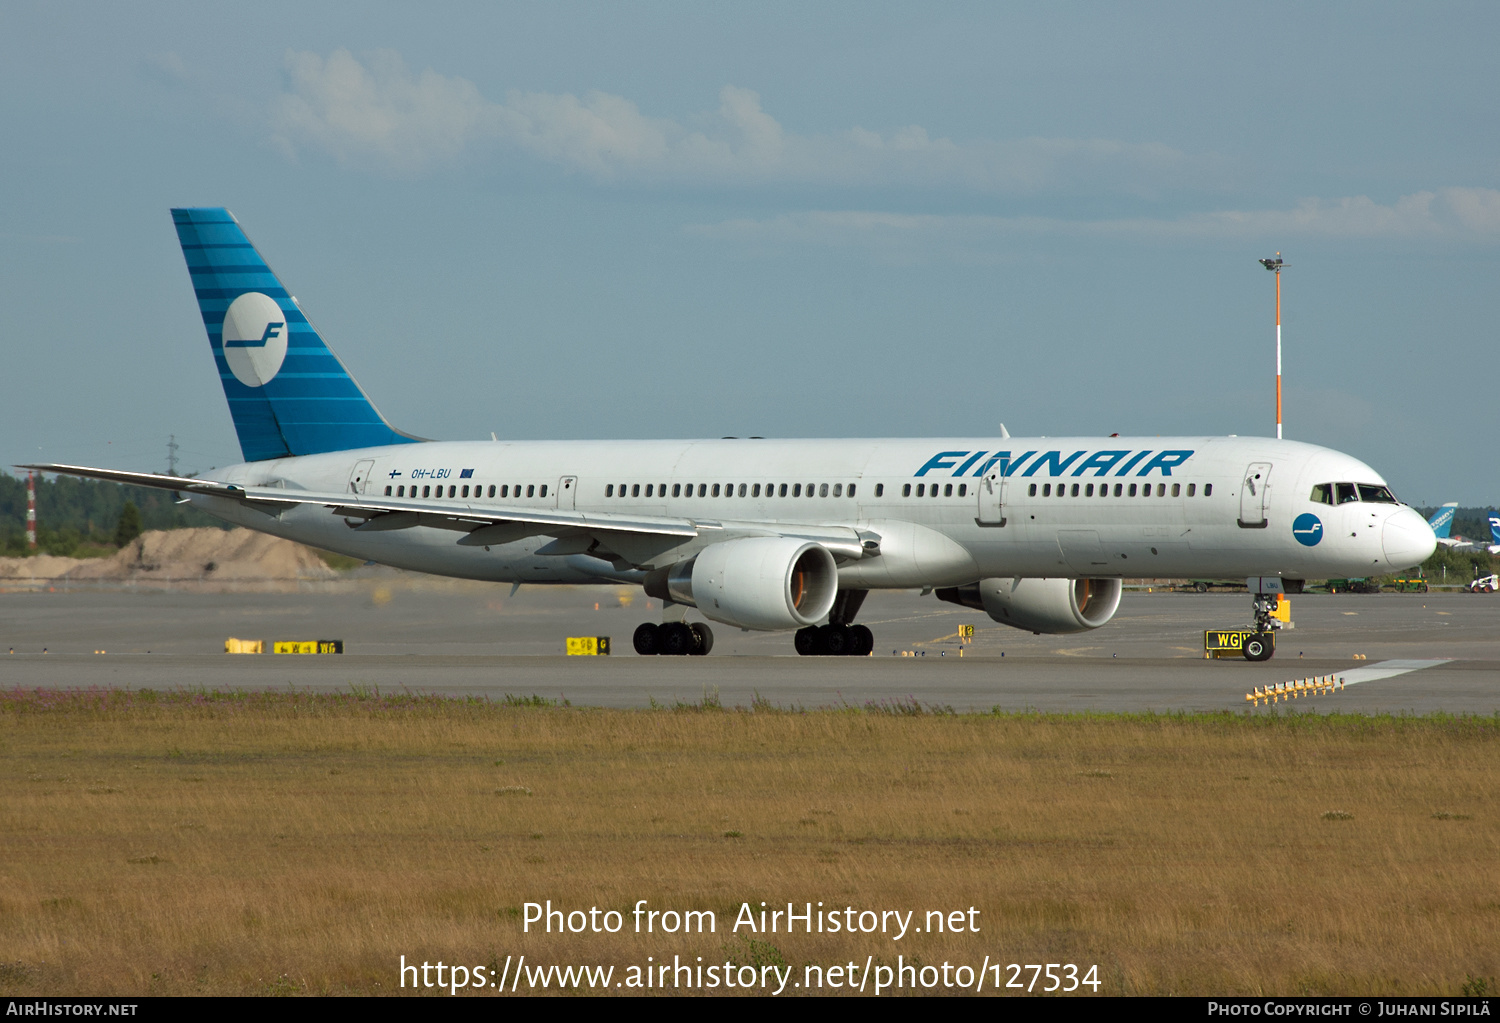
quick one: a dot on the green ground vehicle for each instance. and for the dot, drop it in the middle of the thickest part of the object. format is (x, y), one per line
(1352, 586)
(1408, 585)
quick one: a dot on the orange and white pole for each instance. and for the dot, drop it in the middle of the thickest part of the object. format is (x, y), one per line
(1275, 265)
(1278, 351)
(31, 510)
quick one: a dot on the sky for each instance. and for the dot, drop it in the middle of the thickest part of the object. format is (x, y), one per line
(614, 220)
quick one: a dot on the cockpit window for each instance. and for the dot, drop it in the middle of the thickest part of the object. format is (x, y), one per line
(1322, 494)
(1380, 495)
(1346, 493)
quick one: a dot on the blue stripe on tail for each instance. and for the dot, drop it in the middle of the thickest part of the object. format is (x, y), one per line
(306, 404)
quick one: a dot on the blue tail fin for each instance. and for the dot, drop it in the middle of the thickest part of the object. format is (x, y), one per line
(1495, 527)
(1442, 520)
(288, 393)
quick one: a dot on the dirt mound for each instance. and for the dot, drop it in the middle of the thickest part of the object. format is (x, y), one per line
(199, 558)
(42, 566)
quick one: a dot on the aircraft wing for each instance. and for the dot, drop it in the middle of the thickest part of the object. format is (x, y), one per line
(487, 524)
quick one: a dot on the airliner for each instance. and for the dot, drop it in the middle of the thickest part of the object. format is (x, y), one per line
(761, 534)
(1442, 524)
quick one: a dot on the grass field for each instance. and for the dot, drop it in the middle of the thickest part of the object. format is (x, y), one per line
(201, 843)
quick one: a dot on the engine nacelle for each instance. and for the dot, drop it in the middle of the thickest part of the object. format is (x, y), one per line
(1041, 605)
(758, 582)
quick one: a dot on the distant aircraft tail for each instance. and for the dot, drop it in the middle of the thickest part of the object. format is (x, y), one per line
(1442, 520)
(1495, 527)
(288, 393)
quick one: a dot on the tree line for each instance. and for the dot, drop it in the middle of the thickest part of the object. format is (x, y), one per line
(76, 516)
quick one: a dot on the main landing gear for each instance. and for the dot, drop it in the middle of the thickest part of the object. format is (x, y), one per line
(834, 641)
(839, 638)
(673, 639)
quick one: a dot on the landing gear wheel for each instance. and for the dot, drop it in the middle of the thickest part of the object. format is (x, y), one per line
(806, 641)
(677, 639)
(647, 639)
(704, 639)
(863, 641)
(1260, 647)
(835, 640)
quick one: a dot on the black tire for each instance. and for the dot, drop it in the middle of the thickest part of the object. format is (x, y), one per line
(705, 639)
(647, 639)
(1259, 647)
(806, 641)
(1200, 587)
(677, 640)
(864, 641)
(836, 640)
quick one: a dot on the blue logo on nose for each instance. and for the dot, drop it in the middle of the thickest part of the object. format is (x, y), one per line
(1307, 529)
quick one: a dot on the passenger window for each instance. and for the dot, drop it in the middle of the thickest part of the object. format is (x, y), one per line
(1161, 490)
(1119, 488)
(609, 490)
(492, 490)
(1075, 490)
(811, 489)
(921, 490)
(716, 490)
(1346, 493)
(851, 490)
(782, 491)
(963, 490)
(947, 489)
(1191, 488)
(400, 491)
(1032, 491)
(1176, 489)
(466, 490)
(906, 490)
(838, 490)
(426, 491)
(635, 490)
(676, 489)
(1322, 493)
(755, 490)
(505, 490)
(1046, 490)
(453, 491)
(544, 490)
(742, 490)
(1132, 490)
(1208, 490)
(531, 490)
(823, 490)
(702, 489)
(879, 490)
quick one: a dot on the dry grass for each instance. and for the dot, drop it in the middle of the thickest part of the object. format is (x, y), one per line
(275, 844)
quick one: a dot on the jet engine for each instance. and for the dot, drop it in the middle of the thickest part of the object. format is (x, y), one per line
(1041, 605)
(758, 582)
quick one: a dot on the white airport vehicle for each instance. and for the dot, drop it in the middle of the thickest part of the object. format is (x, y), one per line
(762, 534)
(1485, 584)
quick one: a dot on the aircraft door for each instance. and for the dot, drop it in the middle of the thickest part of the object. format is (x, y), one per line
(359, 476)
(567, 492)
(991, 491)
(1255, 495)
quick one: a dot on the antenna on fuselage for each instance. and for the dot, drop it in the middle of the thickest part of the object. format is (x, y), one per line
(1275, 265)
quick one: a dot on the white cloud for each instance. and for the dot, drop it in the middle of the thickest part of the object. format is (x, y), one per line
(379, 111)
(1452, 213)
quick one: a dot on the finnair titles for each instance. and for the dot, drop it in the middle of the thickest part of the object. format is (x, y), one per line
(760, 534)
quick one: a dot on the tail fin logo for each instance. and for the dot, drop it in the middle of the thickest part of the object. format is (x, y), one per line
(255, 338)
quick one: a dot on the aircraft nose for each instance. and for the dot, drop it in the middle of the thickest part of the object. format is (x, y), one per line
(1408, 539)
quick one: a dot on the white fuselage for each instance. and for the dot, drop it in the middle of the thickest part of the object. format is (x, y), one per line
(1051, 507)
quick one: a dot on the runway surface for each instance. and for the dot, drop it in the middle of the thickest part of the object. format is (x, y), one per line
(473, 639)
